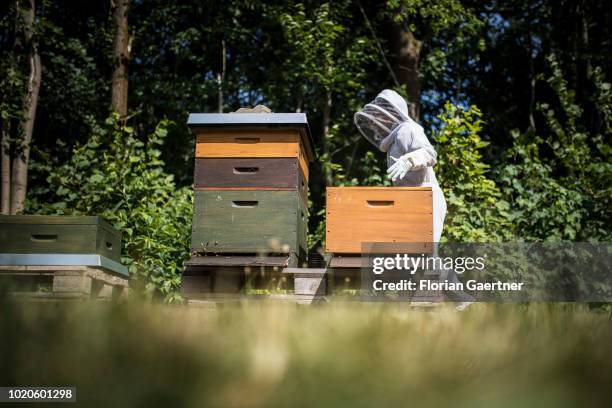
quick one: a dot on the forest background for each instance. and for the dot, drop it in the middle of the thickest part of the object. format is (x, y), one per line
(514, 95)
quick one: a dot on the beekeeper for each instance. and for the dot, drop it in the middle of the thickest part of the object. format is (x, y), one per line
(410, 157)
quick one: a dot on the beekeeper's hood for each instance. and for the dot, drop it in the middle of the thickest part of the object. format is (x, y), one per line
(377, 120)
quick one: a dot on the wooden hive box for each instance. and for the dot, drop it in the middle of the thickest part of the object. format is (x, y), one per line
(38, 234)
(357, 215)
(249, 174)
(253, 135)
(249, 221)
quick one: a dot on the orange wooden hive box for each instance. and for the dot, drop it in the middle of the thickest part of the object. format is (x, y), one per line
(357, 215)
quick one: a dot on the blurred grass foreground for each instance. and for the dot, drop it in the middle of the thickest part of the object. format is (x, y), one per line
(272, 355)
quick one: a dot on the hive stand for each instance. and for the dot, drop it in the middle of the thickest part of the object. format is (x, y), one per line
(54, 282)
(226, 277)
(345, 270)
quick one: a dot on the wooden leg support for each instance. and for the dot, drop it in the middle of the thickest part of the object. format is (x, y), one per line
(71, 282)
(68, 281)
(310, 285)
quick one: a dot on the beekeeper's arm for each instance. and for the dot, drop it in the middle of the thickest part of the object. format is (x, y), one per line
(420, 153)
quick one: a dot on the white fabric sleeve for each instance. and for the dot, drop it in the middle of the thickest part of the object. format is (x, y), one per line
(420, 159)
(415, 145)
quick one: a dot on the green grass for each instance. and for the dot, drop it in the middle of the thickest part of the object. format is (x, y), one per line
(346, 355)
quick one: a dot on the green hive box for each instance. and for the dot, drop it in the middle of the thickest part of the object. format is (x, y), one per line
(249, 221)
(41, 234)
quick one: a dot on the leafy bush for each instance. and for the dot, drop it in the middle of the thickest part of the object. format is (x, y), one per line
(118, 177)
(558, 178)
(476, 210)
(372, 174)
(542, 207)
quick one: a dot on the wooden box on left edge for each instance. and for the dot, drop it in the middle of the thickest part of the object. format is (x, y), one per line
(39, 234)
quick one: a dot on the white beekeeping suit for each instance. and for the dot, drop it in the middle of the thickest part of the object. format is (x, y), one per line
(410, 160)
(410, 156)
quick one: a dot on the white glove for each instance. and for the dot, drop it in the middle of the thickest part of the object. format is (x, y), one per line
(420, 159)
(399, 169)
(416, 160)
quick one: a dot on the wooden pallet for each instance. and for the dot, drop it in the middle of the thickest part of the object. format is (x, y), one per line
(49, 282)
(227, 274)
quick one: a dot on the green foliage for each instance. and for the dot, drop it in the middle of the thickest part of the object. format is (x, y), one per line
(452, 39)
(325, 65)
(374, 175)
(476, 210)
(325, 55)
(559, 183)
(325, 59)
(12, 78)
(542, 208)
(122, 179)
(427, 18)
(11, 85)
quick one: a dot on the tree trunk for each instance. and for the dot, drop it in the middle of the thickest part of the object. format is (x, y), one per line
(121, 57)
(326, 124)
(532, 73)
(221, 77)
(22, 152)
(5, 171)
(407, 51)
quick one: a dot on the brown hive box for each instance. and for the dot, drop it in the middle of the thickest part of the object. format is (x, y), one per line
(357, 215)
(253, 135)
(250, 173)
(270, 143)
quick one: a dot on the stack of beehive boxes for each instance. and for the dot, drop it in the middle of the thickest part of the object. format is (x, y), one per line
(251, 190)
